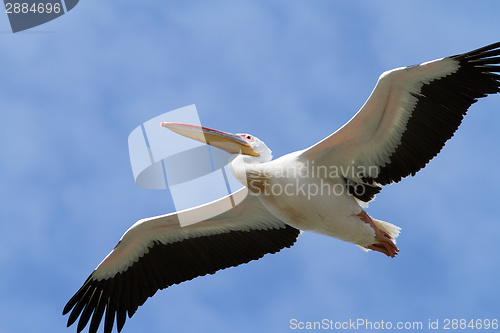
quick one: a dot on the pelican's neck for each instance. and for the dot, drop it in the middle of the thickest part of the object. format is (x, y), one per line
(241, 165)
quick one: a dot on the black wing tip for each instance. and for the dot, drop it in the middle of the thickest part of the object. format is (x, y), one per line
(440, 107)
(480, 52)
(88, 304)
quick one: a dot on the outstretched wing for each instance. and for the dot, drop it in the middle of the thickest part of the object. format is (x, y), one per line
(408, 118)
(156, 253)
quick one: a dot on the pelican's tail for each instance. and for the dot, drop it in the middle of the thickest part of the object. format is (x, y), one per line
(391, 229)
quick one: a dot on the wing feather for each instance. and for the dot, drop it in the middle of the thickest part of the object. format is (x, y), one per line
(157, 253)
(408, 118)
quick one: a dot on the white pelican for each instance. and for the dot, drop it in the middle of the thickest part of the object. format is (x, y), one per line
(405, 122)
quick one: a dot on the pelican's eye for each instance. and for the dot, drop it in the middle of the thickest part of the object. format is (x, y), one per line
(247, 137)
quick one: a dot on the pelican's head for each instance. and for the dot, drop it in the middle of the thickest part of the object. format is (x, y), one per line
(245, 144)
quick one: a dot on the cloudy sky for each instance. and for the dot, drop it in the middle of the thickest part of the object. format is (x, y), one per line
(289, 72)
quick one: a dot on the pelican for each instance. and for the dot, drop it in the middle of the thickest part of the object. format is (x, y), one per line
(324, 189)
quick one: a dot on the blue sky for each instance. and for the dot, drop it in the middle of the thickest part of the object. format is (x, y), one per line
(288, 72)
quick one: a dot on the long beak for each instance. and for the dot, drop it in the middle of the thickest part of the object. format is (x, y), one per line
(231, 143)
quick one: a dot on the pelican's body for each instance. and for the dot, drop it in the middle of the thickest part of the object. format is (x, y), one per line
(304, 196)
(324, 189)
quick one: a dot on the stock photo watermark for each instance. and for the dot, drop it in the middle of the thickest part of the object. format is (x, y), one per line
(365, 324)
(26, 14)
(309, 180)
(194, 173)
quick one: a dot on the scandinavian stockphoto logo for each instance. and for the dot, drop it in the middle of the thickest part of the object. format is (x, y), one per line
(195, 173)
(26, 14)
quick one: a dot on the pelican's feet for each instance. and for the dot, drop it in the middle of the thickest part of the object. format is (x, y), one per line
(383, 242)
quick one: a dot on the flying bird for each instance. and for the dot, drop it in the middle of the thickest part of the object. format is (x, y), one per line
(324, 189)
